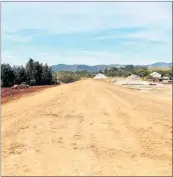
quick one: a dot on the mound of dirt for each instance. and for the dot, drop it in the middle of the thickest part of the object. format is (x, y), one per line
(100, 76)
(133, 77)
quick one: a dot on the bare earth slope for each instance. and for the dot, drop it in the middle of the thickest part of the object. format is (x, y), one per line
(87, 128)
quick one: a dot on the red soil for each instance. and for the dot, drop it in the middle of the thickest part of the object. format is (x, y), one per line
(8, 94)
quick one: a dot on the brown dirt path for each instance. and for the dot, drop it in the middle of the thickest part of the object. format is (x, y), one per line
(87, 128)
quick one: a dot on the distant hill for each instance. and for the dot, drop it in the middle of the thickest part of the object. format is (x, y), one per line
(64, 67)
(161, 65)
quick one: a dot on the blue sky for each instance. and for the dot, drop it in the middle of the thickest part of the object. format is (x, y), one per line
(86, 33)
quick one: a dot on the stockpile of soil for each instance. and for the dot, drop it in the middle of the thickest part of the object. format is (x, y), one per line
(131, 80)
(100, 76)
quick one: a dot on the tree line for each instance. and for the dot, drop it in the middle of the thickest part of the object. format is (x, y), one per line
(69, 76)
(34, 73)
(138, 70)
(143, 72)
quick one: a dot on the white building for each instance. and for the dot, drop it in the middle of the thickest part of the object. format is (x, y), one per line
(165, 78)
(156, 75)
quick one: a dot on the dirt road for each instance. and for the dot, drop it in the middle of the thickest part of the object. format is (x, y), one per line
(87, 128)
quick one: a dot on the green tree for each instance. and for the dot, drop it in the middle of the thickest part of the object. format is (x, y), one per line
(129, 68)
(20, 74)
(38, 72)
(142, 72)
(100, 71)
(30, 70)
(106, 71)
(46, 75)
(67, 77)
(149, 77)
(7, 75)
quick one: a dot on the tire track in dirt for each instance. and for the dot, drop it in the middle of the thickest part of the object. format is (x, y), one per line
(25, 124)
(144, 130)
(86, 128)
(152, 143)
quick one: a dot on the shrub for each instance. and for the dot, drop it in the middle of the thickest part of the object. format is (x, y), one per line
(67, 78)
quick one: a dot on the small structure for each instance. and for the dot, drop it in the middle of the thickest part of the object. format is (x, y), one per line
(23, 85)
(100, 76)
(165, 78)
(156, 75)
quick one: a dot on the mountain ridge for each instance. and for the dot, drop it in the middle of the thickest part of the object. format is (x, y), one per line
(79, 67)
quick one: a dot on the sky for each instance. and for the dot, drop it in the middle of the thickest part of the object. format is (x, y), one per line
(86, 33)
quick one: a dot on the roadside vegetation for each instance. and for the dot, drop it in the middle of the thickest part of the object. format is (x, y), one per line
(34, 73)
(69, 76)
(138, 70)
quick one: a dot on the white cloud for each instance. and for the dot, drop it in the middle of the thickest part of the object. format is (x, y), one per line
(146, 35)
(61, 18)
(75, 17)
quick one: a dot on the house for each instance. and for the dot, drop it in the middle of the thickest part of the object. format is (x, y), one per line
(156, 75)
(165, 78)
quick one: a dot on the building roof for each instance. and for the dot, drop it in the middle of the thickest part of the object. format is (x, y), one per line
(156, 75)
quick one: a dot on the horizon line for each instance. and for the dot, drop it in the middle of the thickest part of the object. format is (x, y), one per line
(113, 64)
